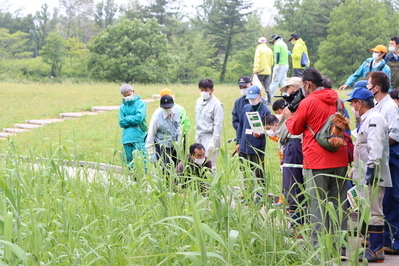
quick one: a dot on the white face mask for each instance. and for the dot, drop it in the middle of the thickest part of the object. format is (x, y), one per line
(128, 98)
(205, 95)
(199, 161)
(254, 101)
(376, 56)
(168, 111)
(271, 133)
(355, 112)
(392, 49)
(244, 92)
(304, 92)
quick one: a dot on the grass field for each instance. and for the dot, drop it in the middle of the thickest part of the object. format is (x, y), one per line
(50, 217)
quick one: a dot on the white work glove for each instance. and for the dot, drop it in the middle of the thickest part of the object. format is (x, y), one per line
(152, 158)
(210, 147)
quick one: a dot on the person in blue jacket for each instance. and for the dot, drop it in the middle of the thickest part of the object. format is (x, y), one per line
(375, 63)
(132, 115)
(251, 145)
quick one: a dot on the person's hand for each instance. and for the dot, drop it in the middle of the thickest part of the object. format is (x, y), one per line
(287, 113)
(255, 73)
(210, 147)
(350, 175)
(289, 53)
(370, 176)
(343, 87)
(256, 135)
(152, 158)
(238, 148)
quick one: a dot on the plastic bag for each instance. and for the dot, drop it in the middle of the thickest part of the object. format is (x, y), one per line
(256, 81)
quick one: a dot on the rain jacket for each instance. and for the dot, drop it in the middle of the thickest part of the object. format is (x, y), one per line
(365, 68)
(393, 63)
(248, 143)
(372, 148)
(132, 116)
(313, 111)
(263, 60)
(299, 48)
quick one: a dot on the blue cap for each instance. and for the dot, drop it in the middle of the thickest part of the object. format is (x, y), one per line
(253, 92)
(359, 84)
(361, 94)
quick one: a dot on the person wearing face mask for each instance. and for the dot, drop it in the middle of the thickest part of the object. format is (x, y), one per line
(209, 120)
(324, 171)
(132, 118)
(375, 63)
(297, 53)
(244, 83)
(196, 164)
(378, 84)
(263, 62)
(392, 60)
(163, 133)
(251, 146)
(371, 169)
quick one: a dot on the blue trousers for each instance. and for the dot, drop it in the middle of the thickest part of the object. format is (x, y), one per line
(391, 200)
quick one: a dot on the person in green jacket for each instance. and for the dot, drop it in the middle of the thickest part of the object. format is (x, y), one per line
(184, 119)
(299, 56)
(280, 68)
(132, 115)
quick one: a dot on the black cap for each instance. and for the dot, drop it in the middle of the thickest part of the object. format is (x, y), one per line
(244, 81)
(295, 36)
(166, 101)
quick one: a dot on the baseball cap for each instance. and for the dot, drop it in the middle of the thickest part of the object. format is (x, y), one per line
(166, 91)
(166, 101)
(253, 92)
(361, 94)
(262, 40)
(358, 84)
(244, 81)
(296, 81)
(273, 37)
(379, 48)
(294, 35)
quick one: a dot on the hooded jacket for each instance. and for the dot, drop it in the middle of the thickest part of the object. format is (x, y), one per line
(299, 48)
(263, 60)
(314, 111)
(132, 116)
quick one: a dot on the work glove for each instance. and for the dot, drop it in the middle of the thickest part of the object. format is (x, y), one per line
(152, 158)
(370, 176)
(210, 147)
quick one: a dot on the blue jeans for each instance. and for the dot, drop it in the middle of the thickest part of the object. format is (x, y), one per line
(278, 79)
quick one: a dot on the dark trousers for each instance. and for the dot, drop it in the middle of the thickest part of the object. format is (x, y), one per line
(167, 155)
(265, 79)
(292, 176)
(391, 200)
(258, 159)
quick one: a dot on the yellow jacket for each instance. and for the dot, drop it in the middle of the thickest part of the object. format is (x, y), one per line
(299, 48)
(263, 60)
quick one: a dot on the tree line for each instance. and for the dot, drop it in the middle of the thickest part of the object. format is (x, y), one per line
(159, 42)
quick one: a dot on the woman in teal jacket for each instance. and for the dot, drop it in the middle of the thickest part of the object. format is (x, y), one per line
(132, 114)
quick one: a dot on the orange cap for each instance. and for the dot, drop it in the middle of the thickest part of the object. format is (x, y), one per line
(379, 48)
(166, 92)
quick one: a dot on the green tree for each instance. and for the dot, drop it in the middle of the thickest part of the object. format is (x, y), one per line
(351, 33)
(131, 51)
(43, 25)
(13, 45)
(225, 22)
(53, 53)
(105, 14)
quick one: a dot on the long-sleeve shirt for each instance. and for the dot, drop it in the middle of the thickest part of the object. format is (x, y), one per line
(388, 108)
(209, 118)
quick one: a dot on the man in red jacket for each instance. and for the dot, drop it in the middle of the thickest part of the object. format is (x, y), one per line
(322, 169)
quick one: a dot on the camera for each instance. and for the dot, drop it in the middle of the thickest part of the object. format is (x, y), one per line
(292, 101)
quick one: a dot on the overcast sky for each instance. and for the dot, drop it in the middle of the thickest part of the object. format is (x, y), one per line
(31, 6)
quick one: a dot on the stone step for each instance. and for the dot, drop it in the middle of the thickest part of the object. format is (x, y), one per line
(1, 138)
(27, 126)
(104, 108)
(75, 114)
(15, 130)
(6, 134)
(44, 121)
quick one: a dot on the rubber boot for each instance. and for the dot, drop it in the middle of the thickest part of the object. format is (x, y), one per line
(269, 98)
(375, 251)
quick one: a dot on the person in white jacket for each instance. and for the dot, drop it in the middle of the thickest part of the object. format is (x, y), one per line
(371, 167)
(209, 120)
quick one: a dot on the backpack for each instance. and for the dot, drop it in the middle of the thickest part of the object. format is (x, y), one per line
(304, 60)
(331, 136)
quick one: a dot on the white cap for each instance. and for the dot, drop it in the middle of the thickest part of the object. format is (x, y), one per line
(262, 40)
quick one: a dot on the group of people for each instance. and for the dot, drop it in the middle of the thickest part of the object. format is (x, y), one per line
(305, 163)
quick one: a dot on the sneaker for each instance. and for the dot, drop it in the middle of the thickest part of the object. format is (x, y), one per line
(388, 249)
